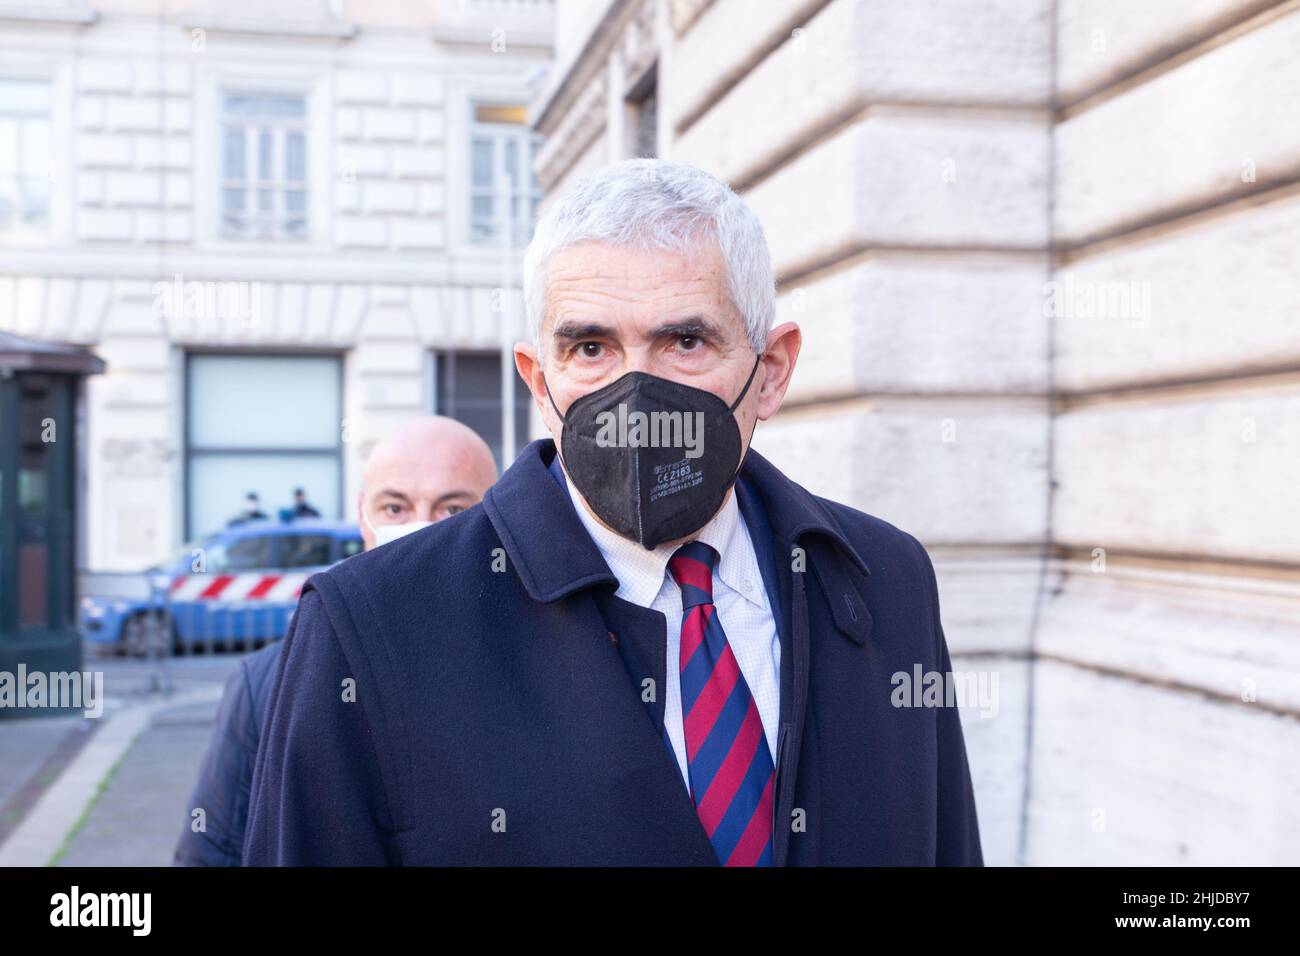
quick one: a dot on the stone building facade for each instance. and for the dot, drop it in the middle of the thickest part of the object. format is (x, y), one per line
(1044, 258)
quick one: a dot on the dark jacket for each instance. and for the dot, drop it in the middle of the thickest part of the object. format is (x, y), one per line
(474, 693)
(226, 774)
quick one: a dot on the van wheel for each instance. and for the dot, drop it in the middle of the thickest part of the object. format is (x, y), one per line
(137, 632)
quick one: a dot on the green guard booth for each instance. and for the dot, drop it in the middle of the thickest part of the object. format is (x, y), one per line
(40, 389)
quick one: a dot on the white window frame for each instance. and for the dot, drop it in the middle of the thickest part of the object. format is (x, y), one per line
(463, 94)
(314, 86)
(19, 66)
(278, 130)
(526, 143)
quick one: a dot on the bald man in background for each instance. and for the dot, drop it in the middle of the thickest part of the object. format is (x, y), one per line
(427, 470)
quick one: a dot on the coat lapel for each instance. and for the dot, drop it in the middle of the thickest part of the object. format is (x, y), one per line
(776, 579)
(639, 636)
(617, 762)
(792, 532)
(613, 646)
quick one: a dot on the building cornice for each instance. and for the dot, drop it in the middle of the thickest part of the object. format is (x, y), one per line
(71, 14)
(568, 79)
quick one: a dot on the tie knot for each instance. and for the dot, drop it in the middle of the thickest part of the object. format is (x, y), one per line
(692, 568)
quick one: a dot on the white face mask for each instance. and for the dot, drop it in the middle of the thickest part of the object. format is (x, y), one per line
(385, 533)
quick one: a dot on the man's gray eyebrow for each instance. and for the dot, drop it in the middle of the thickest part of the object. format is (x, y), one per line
(579, 330)
(696, 325)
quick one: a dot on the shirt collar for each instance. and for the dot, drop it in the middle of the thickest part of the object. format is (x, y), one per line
(640, 572)
(554, 555)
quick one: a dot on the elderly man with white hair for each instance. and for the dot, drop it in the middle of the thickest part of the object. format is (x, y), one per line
(646, 646)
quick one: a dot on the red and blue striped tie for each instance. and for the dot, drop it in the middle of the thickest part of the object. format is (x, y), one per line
(730, 766)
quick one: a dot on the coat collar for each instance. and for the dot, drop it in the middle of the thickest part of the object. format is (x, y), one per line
(555, 557)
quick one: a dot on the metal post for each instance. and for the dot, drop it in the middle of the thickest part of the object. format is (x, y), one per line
(158, 630)
(507, 325)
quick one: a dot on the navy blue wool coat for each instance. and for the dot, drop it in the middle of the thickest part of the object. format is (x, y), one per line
(475, 694)
(226, 773)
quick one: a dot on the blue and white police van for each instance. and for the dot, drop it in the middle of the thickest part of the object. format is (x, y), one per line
(234, 589)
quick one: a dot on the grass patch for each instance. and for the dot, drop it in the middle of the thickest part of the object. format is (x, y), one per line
(85, 813)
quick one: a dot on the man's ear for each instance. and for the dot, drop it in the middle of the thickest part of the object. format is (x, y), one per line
(779, 358)
(529, 367)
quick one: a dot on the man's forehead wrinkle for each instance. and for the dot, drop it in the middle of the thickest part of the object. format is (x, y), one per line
(588, 287)
(587, 307)
(586, 270)
(612, 287)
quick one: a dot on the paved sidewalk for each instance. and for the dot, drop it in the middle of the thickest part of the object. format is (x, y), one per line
(26, 745)
(34, 751)
(138, 818)
(110, 791)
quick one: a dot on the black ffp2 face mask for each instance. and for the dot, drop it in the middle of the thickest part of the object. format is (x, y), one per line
(653, 458)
